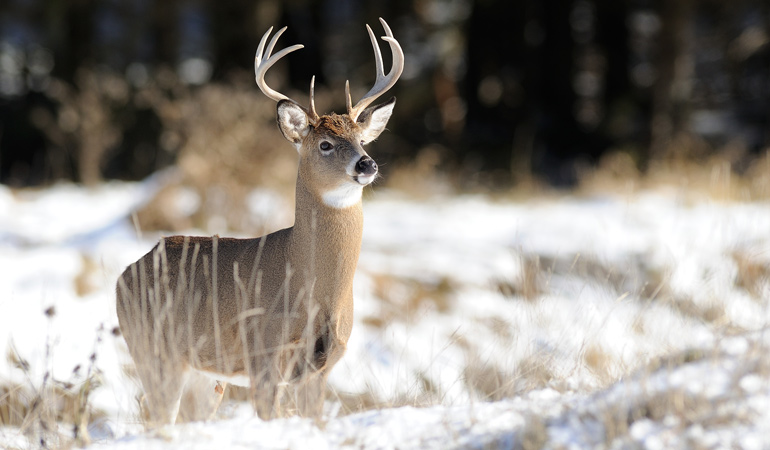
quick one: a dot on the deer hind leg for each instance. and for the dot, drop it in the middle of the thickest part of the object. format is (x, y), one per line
(201, 398)
(161, 373)
(163, 384)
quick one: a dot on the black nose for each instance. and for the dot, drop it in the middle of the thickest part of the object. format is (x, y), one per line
(366, 166)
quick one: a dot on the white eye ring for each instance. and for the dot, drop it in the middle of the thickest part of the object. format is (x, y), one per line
(326, 147)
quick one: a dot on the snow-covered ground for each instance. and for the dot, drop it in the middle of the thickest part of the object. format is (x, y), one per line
(606, 320)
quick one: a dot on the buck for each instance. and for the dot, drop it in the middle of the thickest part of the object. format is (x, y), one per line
(273, 313)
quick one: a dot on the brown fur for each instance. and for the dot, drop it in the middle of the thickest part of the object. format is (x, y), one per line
(335, 124)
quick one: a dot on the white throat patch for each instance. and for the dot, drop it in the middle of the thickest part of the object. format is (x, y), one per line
(343, 196)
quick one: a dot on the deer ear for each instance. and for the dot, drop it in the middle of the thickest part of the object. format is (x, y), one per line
(373, 120)
(293, 121)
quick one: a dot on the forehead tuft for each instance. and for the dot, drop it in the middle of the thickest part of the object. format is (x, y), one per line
(335, 124)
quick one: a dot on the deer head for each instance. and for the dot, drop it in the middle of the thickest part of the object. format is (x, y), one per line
(333, 164)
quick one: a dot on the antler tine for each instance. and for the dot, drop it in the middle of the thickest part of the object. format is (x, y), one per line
(383, 82)
(348, 101)
(312, 111)
(261, 48)
(379, 66)
(263, 61)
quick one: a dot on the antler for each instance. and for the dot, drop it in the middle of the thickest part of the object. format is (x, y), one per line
(383, 82)
(263, 61)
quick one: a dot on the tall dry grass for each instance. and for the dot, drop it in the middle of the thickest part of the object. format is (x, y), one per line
(729, 173)
(53, 412)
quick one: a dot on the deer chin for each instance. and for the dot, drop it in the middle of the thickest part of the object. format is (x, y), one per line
(365, 180)
(343, 196)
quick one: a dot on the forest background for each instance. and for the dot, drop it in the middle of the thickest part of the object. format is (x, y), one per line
(494, 93)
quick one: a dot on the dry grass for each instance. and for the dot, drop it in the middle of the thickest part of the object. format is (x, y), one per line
(87, 282)
(489, 381)
(682, 406)
(493, 382)
(753, 273)
(405, 299)
(726, 174)
(531, 282)
(709, 313)
(15, 404)
(424, 394)
(533, 372)
(692, 169)
(354, 403)
(53, 413)
(632, 276)
(423, 177)
(534, 435)
(599, 362)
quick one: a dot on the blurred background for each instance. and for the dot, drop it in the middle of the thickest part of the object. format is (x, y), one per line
(495, 93)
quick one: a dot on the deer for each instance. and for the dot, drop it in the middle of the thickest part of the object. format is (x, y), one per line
(272, 313)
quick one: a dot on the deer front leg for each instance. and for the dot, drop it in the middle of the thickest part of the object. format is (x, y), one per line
(309, 395)
(264, 378)
(263, 399)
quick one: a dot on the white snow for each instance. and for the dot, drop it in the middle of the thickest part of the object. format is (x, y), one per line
(638, 331)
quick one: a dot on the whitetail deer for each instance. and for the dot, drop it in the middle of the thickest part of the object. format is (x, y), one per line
(269, 312)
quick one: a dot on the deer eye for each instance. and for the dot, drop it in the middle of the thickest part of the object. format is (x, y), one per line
(326, 146)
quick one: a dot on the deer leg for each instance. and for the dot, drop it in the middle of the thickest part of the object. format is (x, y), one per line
(309, 395)
(162, 392)
(162, 375)
(263, 377)
(264, 397)
(201, 399)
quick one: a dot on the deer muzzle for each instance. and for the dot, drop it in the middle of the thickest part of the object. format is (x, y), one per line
(366, 166)
(366, 170)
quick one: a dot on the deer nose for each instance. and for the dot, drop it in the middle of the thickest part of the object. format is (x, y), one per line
(366, 166)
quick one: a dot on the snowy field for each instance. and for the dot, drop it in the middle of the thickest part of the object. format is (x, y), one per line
(560, 322)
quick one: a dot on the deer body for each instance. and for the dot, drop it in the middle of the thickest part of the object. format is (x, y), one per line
(276, 310)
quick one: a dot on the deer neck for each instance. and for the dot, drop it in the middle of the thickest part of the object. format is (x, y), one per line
(325, 244)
